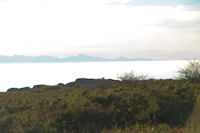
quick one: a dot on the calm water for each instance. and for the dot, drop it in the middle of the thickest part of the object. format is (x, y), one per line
(29, 74)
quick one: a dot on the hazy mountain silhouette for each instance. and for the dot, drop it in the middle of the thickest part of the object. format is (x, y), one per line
(82, 58)
(78, 58)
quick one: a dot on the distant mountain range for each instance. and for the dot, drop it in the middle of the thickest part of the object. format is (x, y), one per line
(79, 58)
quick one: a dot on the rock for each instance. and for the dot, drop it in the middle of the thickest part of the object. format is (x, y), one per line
(18, 89)
(61, 84)
(13, 89)
(25, 89)
(93, 83)
(81, 81)
(37, 86)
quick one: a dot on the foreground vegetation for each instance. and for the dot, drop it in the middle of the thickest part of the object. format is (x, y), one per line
(109, 106)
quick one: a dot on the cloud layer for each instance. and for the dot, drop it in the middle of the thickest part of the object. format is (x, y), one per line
(155, 2)
(63, 28)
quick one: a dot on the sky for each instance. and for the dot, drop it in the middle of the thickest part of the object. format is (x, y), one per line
(157, 29)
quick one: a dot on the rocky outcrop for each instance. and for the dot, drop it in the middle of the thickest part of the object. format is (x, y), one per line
(13, 89)
(38, 86)
(61, 84)
(84, 82)
(18, 89)
(93, 83)
(25, 89)
(81, 81)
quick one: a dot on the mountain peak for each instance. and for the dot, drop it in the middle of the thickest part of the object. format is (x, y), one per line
(82, 55)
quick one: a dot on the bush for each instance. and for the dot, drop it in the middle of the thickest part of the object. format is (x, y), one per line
(148, 106)
(191, 71)
(131, 76)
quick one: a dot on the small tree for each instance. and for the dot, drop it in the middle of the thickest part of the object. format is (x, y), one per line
(191, 71)
(131, 76)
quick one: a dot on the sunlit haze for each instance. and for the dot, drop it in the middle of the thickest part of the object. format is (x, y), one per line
(104, 28)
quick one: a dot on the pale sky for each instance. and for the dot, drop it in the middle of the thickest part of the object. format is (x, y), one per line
(104, 28)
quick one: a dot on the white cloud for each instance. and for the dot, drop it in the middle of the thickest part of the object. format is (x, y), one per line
(62, 28)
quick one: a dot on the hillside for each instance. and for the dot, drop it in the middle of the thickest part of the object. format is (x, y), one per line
(90, 105)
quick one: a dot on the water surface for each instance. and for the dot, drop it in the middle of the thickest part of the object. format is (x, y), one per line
(29, 74)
